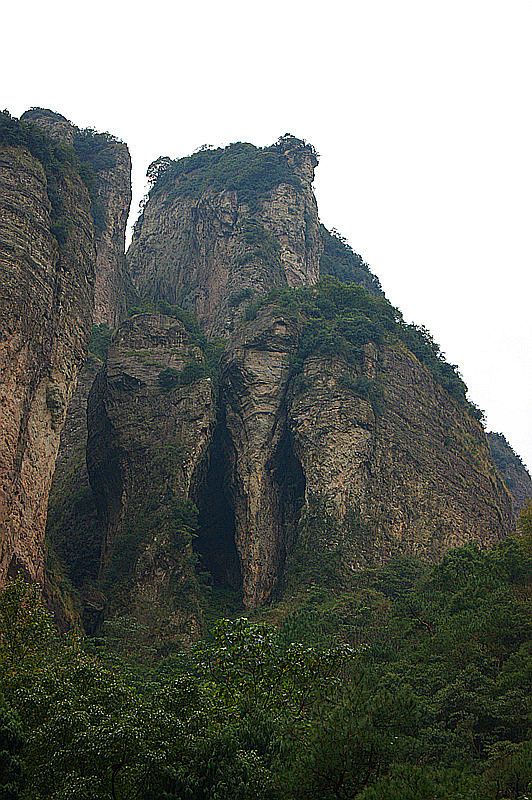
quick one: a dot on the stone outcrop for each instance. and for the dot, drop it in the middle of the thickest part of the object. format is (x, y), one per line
(253, 383)
(46, 301)
(110, 162)
(403, 470)
(74, 534)
(511, 469)
(147, 444)
(214, 249)
(411, 467)
(322, 435)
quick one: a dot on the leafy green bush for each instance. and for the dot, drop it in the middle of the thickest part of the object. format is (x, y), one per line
(193, 371)
(100, 340)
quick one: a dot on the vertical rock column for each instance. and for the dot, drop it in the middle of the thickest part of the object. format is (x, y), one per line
(146, 445)
(254, 379)
(46, 303)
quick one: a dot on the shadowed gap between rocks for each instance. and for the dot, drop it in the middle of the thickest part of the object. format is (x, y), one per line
(215, 546)
(289, 476)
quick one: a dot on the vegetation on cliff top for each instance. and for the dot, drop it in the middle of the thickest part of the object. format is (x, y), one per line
(338, 319)
(250, 171)
(91, 153)
(504, 456)
(340, 261)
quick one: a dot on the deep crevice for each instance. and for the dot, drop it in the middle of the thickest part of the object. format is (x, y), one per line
(216, 542)
(288, 474)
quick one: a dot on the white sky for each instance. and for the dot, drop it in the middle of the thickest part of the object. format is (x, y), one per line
(420, 109)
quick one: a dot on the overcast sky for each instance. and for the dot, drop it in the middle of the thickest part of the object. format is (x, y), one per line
(420, 110)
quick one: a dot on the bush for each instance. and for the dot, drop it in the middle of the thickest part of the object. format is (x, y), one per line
(171, 378)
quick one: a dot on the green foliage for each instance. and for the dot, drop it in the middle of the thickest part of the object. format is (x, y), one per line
(415, 684)
(524, 526)
(100, 340)
(59, 161)
(338, 320)
(250, 171)
(26, 631)
(340, 261)
(193, 371)
(504, 455)
(11, 761)
(354, 742)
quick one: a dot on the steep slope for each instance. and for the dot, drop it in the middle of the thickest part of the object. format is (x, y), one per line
(339, 260)
(222, 227)
(47, 260)
(254, 379)
(74, 532)
(150, 417)
(511, 469)
(416, 477)
(347, 440)
(106, 167)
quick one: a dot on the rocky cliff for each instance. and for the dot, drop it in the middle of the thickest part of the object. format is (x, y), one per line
(106, 166)
(74, 533)
(254, 377)
(341, 432)
(511, 469)
(151, 413)
(404, 470)
(330, 435)
(222, 227)
(47, 260)
(341, 445)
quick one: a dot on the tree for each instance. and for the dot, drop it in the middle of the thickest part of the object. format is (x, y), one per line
(524, 526)
(11, 743)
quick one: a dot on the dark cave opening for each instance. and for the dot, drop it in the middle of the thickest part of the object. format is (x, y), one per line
(215, 545)
(288, 474)
(219, 564)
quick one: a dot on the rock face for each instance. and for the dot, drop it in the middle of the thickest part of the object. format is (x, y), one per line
(212, 248)
(146, 450)
(74, 532)
(511, 469)
(46, 301)
(409, 472)
(311, 463)
(332, 433)
(110, 164)
(254, 380)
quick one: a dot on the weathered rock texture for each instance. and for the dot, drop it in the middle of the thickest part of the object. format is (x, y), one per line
(413, 471)
(409, 472)
(213, 252)
(110, 162)
(146, 450)
(265, 489)
(512, 470)
(73, 529)
(46, 301)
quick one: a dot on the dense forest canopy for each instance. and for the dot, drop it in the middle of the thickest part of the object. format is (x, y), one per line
(416, 683)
